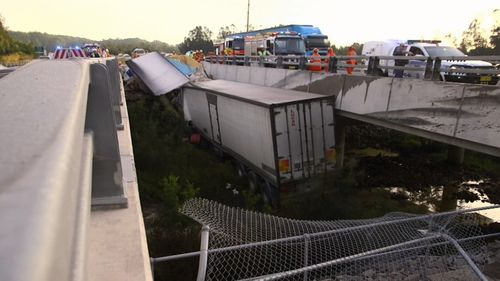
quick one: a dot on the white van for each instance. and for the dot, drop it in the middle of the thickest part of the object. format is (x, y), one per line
(433, 49)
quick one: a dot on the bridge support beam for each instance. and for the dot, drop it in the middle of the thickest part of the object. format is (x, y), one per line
(340, 132)
(455, 154)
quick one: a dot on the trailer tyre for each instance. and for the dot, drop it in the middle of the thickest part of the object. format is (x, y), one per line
(253, 182)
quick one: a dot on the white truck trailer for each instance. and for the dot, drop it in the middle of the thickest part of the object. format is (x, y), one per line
(280, 139)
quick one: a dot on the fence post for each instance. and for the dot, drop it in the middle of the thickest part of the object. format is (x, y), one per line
(279, 62)
(369, 70)
(247, 61)
(233, 61)
(428, 69)
(436, 72)
(302, 63)
(376, 66)
(202, 265)
(333, 67)
(306, 254)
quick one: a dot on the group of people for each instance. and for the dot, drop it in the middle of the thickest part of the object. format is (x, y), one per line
(316, 60)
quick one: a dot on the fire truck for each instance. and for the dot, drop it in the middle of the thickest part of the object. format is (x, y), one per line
(230, 46)
(313, 38)
(277, 43)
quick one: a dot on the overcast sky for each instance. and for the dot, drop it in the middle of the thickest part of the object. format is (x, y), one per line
(344, 21)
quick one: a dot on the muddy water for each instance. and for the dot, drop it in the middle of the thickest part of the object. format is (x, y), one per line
(429, 181)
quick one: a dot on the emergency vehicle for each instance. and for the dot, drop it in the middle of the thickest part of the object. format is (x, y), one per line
(277, 43)
(433, 49)
(288, 45)
(71, 52)
(313, 38)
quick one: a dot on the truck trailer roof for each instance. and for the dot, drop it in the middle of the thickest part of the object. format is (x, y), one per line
(260, 95)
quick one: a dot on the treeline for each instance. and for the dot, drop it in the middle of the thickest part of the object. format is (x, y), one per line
(115, 46)
(8, 45)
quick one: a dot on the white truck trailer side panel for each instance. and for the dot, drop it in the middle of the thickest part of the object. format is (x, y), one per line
(246, 130)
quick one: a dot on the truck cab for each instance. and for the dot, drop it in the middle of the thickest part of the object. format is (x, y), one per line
(319, 41)
(288, 45)
(236, 44)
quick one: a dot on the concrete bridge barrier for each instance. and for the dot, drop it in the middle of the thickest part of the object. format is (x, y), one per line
(458, 114)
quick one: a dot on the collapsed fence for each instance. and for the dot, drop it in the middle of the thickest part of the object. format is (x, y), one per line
(243, 245)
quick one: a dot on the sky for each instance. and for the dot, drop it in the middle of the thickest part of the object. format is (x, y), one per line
(345, 22)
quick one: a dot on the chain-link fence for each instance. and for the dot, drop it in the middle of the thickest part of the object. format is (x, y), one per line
(398, 246)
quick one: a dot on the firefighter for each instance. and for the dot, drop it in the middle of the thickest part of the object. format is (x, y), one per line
(351, 52)
(228, 52)
(316, 59)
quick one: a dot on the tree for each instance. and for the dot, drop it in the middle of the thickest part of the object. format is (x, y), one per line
(197, 39)
(9, 45)
(495, 40)
(226, 30)
(342, 50)
(481, 40)
(473, 38)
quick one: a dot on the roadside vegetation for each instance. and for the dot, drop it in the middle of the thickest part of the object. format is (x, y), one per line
(13, 51)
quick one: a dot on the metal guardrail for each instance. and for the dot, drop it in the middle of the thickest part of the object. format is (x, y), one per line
(14, 64)
(59, 152)
(368, 64)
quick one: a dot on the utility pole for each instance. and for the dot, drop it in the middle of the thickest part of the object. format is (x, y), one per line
(248, 13)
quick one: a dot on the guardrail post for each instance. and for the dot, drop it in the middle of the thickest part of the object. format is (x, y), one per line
(302, 63)
(333, 65)
(107, 185)
(428, 69)
(369, 70)
(436, 72)
(279, 62)
(376, 66)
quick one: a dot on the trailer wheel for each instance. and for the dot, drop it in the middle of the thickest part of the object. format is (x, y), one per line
(253, 182)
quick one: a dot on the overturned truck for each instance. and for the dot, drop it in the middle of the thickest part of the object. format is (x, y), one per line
(280, 139)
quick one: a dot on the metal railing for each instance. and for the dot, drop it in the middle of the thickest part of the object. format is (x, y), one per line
(370, 65)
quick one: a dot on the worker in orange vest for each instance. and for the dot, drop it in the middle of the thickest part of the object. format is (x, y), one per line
(316, 58)
(351, 52)
(331, 54)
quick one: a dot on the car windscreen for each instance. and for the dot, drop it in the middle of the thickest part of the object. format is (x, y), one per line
(293, 46)
(442, 51)
(317, 43)
(238, 44)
